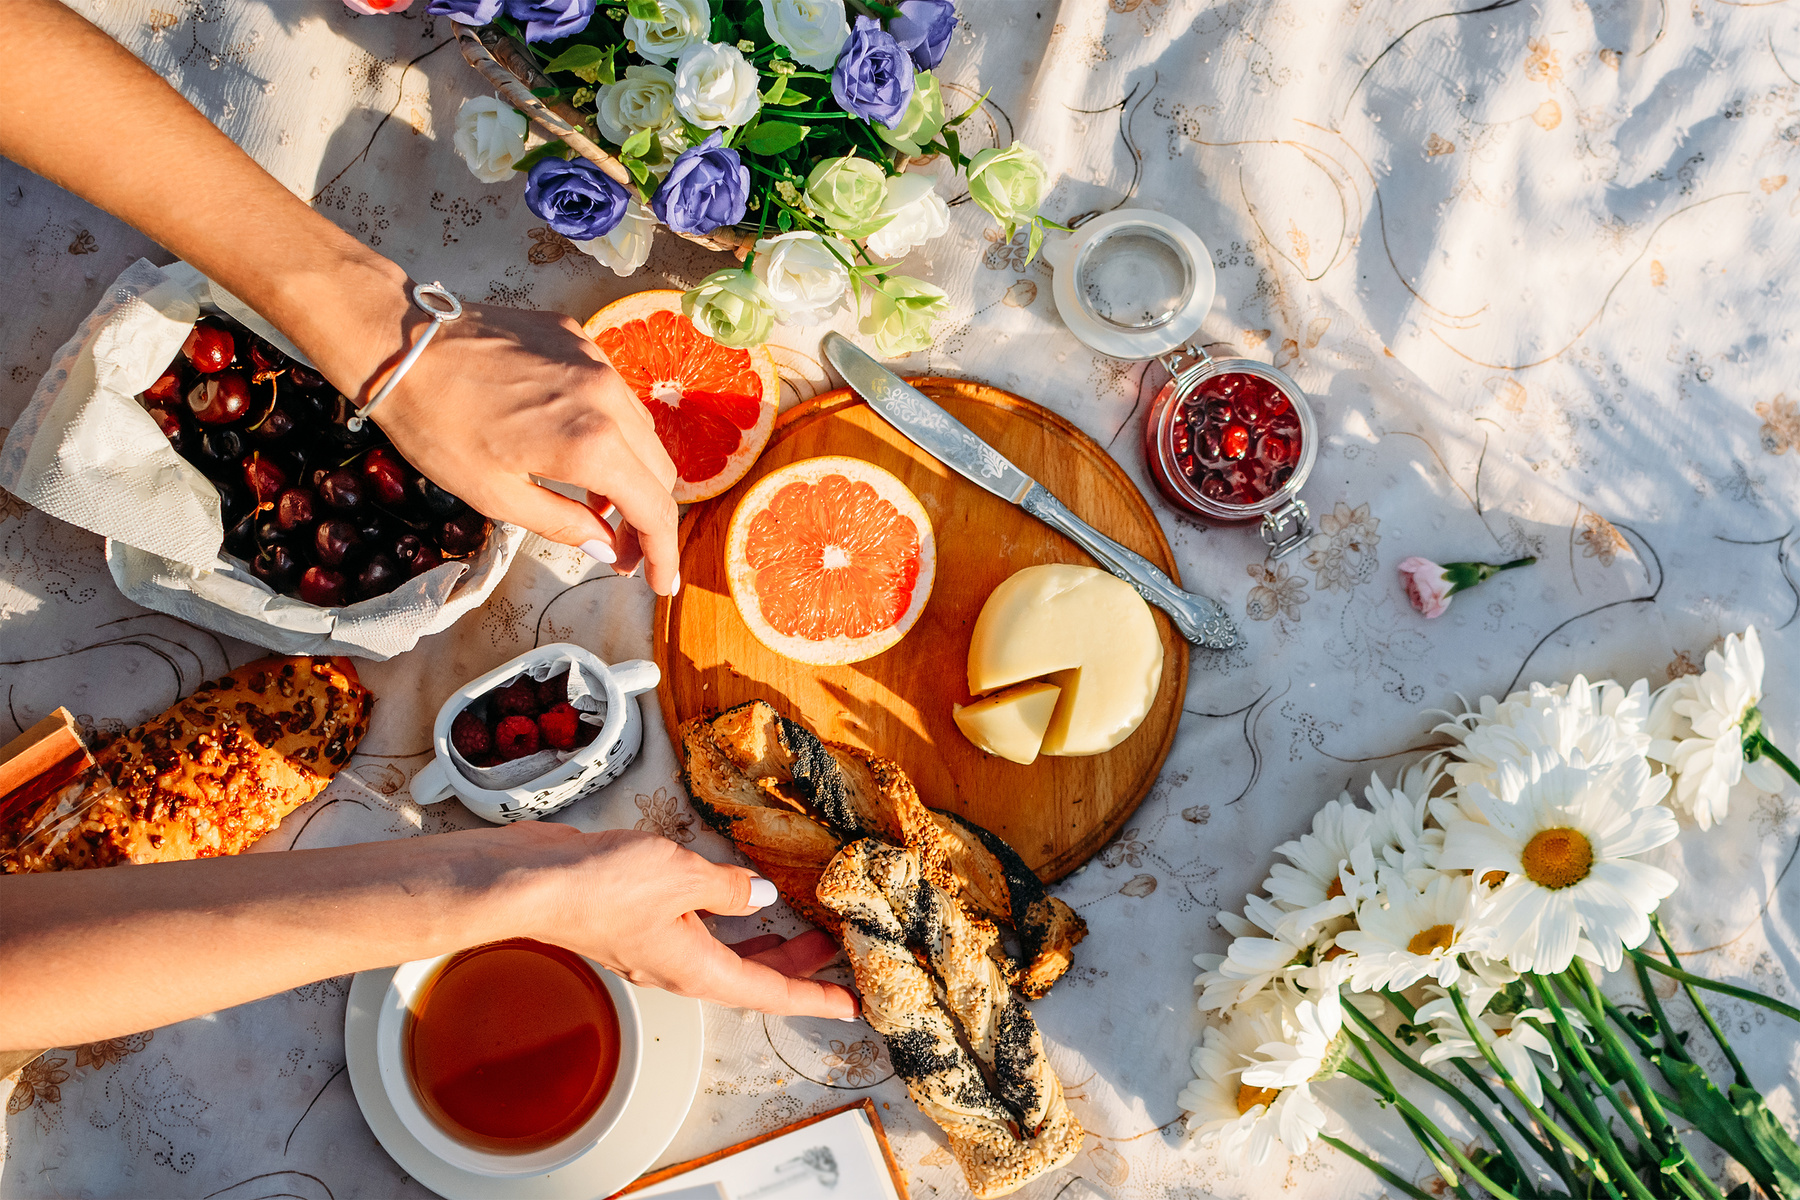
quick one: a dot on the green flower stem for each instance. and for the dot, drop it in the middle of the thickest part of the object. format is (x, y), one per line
(1599, 1129)
(1769, 748)
(1671, 1039)
(1376, 1081)
(1649, 1100)
(1574, 1145)
(1585, 1061)
(1423, 1128)
(1386, 1176)
(1455, 1093)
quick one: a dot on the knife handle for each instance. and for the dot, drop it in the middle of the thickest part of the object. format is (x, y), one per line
(1200, 619)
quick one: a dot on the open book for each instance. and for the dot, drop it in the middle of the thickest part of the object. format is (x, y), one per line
(838, 1155)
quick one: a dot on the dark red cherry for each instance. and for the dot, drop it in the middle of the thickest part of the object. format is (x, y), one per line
(264, 479)
(427, 558)
(209, 348)
(303, 377)
(269, 531)
(276, 424)
(335, 541)
(1274, 449)
(297, 507)
(342, 490)
(385, 473)
(266, 357)
(323, 586)
(221, 453)
(169, 421)
(166, 389)
(464, 534)
(276, 566)
(379, 576)
(406, 548)
(1214, 487)
(219, 399)
(235, 502)
(434, 500)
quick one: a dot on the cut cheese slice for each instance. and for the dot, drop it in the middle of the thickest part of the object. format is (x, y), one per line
(1010, 724)
(1084, 630)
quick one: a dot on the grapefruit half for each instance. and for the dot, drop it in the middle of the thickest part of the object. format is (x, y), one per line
(713, 406)
(830, 560)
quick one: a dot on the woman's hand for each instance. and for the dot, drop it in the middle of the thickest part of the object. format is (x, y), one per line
(501, 395)
(631, 901)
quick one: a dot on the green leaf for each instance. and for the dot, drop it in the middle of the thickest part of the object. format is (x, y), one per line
(773, 95)
(556, 149)
(784, 220)
(788, 98)
(588, 63)
(1713, 1115)
(644, 10)
(1773, 1142)
(1034, 242)
(772, 137)
(636, 145)
(546, 93)
(639, 173)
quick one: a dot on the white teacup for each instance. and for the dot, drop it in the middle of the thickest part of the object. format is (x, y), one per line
(588, 769)
(390, 1057)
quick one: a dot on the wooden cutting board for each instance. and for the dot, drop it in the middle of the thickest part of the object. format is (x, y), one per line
(1056, 812)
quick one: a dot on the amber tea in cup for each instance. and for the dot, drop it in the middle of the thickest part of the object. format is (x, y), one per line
(512, 1046)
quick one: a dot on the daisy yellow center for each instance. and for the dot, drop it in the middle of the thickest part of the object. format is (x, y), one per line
(1557, 858)
(1336, 887)
(1249, 1097)
(1438, 937)
(1493, 879)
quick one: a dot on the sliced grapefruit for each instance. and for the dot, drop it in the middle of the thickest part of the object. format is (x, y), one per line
(830, 560)
(713, 406)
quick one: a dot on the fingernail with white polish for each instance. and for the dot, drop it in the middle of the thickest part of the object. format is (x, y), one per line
(675, 584)
(850, 1020)
(600, 550)
(762, 893)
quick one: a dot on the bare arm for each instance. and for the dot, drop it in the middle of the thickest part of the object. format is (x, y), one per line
(501, 394)
(86, 955)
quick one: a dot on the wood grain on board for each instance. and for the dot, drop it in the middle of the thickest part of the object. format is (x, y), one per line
(1056, 812)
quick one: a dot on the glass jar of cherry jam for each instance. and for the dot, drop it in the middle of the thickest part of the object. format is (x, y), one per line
(1231, 439)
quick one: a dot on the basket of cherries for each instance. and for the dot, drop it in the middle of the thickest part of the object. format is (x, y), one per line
(316, 510)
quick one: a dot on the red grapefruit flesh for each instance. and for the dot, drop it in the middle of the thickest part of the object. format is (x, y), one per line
(830, 560)
(713, 406)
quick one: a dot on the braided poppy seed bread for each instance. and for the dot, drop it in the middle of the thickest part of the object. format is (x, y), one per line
(1003, 1135)
(789, 801)
(207, 777)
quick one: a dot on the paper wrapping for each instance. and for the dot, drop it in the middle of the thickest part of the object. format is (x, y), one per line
(86, 452)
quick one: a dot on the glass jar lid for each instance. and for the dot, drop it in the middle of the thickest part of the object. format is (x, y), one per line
(1132, 283)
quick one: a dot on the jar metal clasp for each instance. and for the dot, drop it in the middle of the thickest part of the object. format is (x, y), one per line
(1286, 528)
(1185, 364)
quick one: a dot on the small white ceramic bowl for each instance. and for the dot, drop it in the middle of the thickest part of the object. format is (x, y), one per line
(390, 1058)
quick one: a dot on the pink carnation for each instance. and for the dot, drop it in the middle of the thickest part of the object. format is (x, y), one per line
(1426, 586)
(376, 8)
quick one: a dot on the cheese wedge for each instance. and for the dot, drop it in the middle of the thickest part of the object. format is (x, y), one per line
(1010, 724)
(1084, 630)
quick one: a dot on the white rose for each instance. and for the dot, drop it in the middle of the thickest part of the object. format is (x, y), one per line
(813, 30)
(716, 85)
(643, 99)
(628, 245)
(490, 136)
(919, 214)
(806, 280)
(684, 23)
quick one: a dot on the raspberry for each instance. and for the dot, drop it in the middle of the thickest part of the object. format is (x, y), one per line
(517, 699)
(559, 726)
(516, 737)
(471, 736)
(553, 691)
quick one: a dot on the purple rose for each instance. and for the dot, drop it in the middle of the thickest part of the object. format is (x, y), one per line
(873, 77)
(545, 20)
(706, 188)
(923, 29)
(574, 198)
(464, 12)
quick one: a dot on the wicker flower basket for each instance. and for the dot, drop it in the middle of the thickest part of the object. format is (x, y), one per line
(509, 67)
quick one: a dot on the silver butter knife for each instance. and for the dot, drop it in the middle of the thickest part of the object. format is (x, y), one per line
(1200, 619)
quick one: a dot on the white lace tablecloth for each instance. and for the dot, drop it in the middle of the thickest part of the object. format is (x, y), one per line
(1536, 263)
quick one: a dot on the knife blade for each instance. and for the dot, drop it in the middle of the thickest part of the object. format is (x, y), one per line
(1200, 619)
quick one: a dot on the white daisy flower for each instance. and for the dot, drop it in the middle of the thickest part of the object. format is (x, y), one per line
(1263, 949)
(1697, 726)
(1245, 1121)
(1400, 836)
(1509, 1035)
(1603, 721)
(1403, 936)
(1327, 867)
(1565, 834)
(1312, 1045)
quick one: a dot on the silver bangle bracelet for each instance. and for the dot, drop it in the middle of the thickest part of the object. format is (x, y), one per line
(423, 295)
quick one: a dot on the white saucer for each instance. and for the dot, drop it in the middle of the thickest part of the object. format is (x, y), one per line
(674, 1033)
